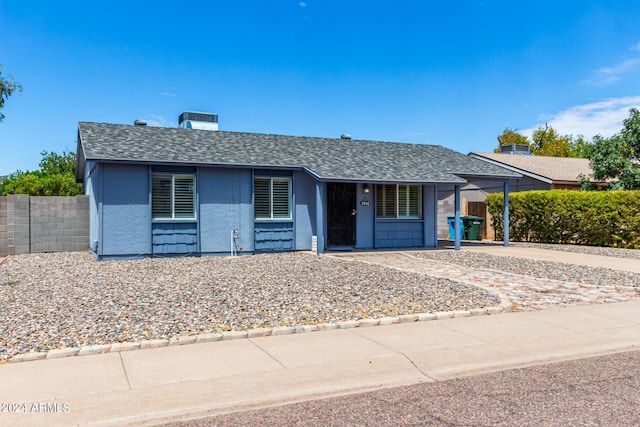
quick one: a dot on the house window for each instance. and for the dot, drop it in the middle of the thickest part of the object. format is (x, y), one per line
(173, 196)
(272, 198)
(398, 201)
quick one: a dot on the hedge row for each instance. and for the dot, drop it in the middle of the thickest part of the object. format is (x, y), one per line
(596, 218)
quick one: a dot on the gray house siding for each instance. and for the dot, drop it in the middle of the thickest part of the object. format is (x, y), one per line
(274, 236)
(400, 233)
(174, 238)
(125, 211)
(305, 212)
(225, 204)
(366, 216)
(122, 227)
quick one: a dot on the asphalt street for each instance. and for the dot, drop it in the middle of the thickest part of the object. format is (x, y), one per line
(598, 391)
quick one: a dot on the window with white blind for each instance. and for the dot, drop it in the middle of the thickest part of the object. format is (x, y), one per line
(386, 201)
(173, 196)
(398, 201)
(272, 198)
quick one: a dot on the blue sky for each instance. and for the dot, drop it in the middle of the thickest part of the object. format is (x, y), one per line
(454, 73)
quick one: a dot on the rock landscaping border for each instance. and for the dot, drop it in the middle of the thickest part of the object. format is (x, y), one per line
(504, 306)
(70, 301)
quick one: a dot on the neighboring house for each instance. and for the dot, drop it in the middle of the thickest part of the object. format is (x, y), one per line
(162, 191)
(540, 172)
(537, 173)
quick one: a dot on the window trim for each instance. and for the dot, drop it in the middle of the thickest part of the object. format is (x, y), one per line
(401, 215)
(172, 201)
(271, 179)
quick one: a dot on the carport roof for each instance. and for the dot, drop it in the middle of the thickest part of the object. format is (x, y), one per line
(327, 159)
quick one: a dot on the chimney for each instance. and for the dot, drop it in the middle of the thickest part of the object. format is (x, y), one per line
(193, 120)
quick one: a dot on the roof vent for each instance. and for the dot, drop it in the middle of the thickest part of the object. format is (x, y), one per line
(140, 122)
(345, 136)
(193, 120)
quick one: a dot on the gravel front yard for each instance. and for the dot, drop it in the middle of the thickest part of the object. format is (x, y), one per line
(592, 250)
(546, 269)
(56, 300)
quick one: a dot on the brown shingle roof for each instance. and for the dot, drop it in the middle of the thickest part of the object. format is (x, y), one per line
(554, 169)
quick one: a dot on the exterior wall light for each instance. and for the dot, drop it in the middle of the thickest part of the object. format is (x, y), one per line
(365, 188)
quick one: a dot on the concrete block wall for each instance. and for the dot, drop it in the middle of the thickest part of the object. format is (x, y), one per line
(3, 226)
(43, 224)
(59, 224)
(17, 224)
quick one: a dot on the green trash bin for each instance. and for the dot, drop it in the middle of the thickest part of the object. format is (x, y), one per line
(472, 226)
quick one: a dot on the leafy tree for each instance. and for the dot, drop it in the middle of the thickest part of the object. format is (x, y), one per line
(56, 177)
(580, 147)
(547, 142)
(8, 86)
(631, 134)
(53, 163)
(617, 159)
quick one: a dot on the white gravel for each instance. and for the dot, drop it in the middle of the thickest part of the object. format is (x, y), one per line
(49, 301)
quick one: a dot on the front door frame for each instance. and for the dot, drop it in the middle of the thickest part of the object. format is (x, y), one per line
(343, 234)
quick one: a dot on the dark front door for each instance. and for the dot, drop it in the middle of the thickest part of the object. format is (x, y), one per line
(341, 214)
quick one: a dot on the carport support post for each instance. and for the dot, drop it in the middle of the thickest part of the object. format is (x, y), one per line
(320, 186)
(506, 214)
(456, 224)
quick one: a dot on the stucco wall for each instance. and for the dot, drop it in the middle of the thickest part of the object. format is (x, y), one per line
(366, 217)
(305, 210)
(125, 211)
(225, 197)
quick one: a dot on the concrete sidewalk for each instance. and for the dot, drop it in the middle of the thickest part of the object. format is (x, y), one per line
(155, 385)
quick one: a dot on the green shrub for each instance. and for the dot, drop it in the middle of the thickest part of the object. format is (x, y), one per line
(599, 218)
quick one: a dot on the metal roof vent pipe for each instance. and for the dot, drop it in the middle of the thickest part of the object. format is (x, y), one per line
(140, 122)
(345, 136)
(193, 120)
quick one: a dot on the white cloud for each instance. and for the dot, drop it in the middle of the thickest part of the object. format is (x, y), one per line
(302, 4)
(636, 47)
(609, 75)
(159, 121)
(598, 118)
